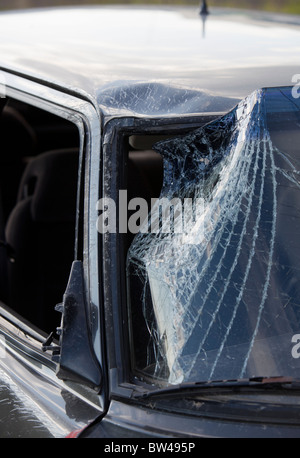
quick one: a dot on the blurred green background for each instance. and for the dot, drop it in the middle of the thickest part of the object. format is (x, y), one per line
(283, 6)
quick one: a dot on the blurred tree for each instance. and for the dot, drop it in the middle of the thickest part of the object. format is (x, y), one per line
(285, 6)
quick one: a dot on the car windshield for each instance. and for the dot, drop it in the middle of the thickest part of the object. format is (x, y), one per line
(214, 290)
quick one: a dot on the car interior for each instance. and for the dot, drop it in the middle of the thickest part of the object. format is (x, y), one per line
(144, 172)
(38, 191)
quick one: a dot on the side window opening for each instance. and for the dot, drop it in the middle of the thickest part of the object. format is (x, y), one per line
(38, 188)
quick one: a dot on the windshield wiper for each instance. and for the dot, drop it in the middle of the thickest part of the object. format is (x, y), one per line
(254, 383)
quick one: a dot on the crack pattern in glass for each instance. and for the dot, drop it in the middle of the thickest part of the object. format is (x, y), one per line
(221, 299)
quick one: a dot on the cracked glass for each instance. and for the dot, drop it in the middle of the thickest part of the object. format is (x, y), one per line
(220, 298)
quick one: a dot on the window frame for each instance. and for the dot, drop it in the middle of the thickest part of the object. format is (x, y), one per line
(123, 381)
(23, 337)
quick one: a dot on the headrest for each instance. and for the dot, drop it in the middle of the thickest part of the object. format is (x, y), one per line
(50, 180)
(18, 139)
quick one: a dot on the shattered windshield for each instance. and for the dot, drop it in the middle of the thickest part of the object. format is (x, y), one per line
(214, 289)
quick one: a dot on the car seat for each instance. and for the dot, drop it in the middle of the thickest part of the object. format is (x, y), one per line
(40, 233)
(18, 140)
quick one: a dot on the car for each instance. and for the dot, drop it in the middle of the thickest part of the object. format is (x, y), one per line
(149, 183)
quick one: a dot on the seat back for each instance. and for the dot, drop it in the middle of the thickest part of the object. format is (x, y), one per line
(40, 232)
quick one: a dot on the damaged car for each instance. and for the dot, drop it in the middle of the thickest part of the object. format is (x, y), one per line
(149, 211)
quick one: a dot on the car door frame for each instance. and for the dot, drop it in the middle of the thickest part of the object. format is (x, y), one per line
(20, 338)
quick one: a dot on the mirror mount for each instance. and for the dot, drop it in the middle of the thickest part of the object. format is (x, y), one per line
(75, 357)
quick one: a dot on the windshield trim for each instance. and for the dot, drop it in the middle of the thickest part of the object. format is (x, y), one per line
(217, 386)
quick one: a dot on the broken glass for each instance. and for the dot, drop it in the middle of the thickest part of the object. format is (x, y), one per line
(220, 299)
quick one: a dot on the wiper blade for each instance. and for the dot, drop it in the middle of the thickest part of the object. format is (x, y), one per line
(254, 383)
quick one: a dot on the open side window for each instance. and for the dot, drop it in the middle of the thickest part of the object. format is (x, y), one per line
(42, 279)
(39, 156)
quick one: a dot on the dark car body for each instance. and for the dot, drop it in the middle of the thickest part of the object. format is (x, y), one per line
(84, 91)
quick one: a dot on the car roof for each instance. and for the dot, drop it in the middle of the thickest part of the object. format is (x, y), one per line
(152, 60)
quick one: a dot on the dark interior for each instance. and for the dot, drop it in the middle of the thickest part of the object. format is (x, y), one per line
(38, 192)
(144, 172)
(38, 189)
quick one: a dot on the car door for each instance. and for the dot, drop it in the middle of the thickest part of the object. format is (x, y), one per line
(51, 357)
